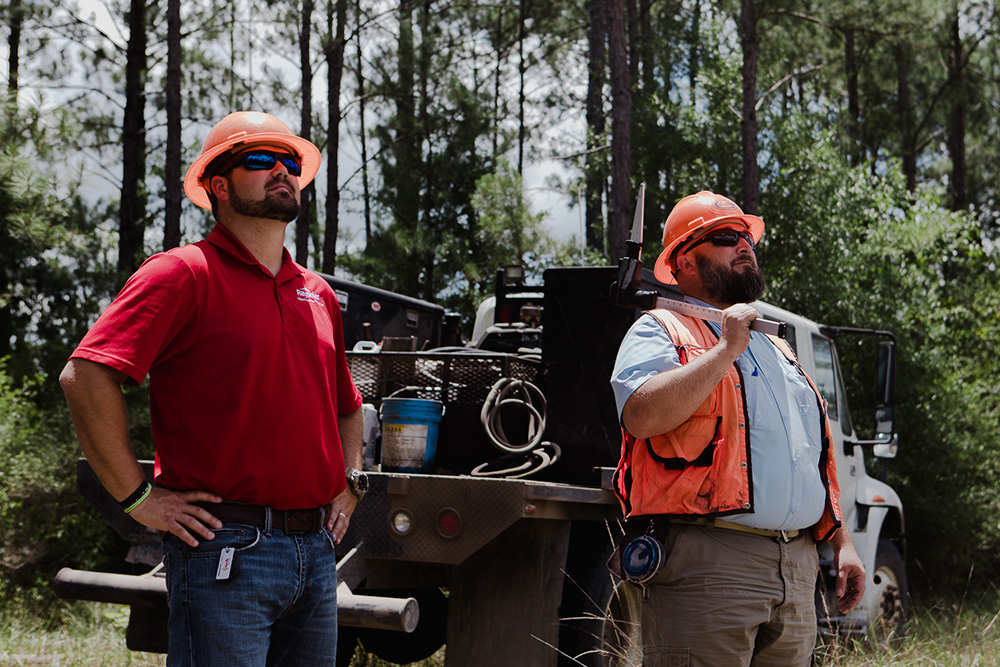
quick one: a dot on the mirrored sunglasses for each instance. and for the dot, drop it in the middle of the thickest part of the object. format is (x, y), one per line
(266, 160)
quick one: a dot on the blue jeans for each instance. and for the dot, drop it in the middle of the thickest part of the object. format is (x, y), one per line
(278, 607)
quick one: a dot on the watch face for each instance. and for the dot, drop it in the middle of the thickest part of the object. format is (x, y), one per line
(358, 481)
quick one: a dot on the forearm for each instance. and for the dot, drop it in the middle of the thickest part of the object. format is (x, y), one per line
(351, 428)
(668, 399)
(97, 405)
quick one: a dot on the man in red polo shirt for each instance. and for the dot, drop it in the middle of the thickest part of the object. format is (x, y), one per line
(254, 414)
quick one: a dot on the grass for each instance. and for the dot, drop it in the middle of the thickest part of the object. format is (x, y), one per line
(89, 634)
(942, 635)
(93, 635)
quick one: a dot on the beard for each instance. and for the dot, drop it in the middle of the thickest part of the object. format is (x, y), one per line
(274, 206)
(730, 285)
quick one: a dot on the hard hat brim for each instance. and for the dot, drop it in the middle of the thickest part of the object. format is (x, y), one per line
(663, 268)
(311, 160)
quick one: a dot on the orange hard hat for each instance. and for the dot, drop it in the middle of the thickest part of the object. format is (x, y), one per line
(694, 215)
(241, 130)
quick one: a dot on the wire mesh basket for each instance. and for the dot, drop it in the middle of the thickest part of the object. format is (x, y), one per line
(455, 379)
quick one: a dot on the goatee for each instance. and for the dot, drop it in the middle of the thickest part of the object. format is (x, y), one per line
(278, 206)
(725, 284)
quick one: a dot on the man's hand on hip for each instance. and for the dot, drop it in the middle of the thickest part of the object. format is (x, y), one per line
(173, 512)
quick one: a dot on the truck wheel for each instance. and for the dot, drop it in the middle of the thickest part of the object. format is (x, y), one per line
(891, 592)
(599, 614)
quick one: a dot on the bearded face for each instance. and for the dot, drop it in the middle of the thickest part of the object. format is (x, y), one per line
(742, 282)
(277, 204)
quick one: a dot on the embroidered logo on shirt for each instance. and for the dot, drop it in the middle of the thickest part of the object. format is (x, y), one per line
(308, 296)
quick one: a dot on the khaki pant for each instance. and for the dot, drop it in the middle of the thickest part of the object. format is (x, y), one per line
(726, 598)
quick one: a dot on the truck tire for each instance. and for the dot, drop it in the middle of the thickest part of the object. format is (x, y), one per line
(599, 613)
(891, 591)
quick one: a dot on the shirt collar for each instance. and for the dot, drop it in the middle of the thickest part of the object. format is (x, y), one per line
(225, 240)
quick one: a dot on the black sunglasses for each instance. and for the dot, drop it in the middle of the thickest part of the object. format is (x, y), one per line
(726, 238)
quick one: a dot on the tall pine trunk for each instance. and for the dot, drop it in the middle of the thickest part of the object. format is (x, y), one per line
(364, 133)
(334, 79)
(304, 222)
(172, 168)
(907, 133)
(748, 40)
(522, 68)
(956, 127)
(132, 214)
(853, 102)
(430, 232)
(621, 128)
(16, 10)
(595, 171)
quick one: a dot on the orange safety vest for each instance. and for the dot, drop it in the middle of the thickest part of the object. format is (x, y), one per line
(703, 467)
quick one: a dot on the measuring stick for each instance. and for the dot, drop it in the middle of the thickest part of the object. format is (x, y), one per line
(714, 315)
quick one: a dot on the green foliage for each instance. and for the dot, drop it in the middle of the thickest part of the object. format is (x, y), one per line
(846, 247)
(56, 270)
(44, 523)
(507, 231)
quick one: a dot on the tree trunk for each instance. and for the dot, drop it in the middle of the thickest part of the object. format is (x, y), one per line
(853, 102)
(694, 54)
(335, 76)
(364, 135)
(16, 10)
(429, 179)
(621, 141)
(596, 67)
(131, 216)
(172, 168)
(748, 40)
(907, 140)
(647, 54)
(304, 221)
(632, 39)
(956, 130)
(498, 39)
(407, 202)
(522, 67)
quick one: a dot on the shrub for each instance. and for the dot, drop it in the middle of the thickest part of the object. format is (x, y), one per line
(44, 523)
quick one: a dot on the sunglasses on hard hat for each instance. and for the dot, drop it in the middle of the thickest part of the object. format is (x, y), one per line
(725, 238)
(266, 160)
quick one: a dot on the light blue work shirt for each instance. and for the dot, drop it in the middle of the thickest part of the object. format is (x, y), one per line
(785, 424)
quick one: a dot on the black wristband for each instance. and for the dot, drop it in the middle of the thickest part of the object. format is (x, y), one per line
(136, 497)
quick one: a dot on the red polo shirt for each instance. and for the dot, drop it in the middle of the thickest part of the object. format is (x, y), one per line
(247, 372)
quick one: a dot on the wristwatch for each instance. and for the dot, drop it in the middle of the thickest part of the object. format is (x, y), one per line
(358, 481)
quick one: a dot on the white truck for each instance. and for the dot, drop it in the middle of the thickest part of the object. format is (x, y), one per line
(505, 553)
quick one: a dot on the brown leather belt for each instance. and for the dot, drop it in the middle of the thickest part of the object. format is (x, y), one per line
(290, 522)
(784, 535)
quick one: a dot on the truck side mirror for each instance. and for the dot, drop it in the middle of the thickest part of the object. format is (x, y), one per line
(885, 413)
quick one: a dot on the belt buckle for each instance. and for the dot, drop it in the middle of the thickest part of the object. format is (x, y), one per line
(299, 522)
